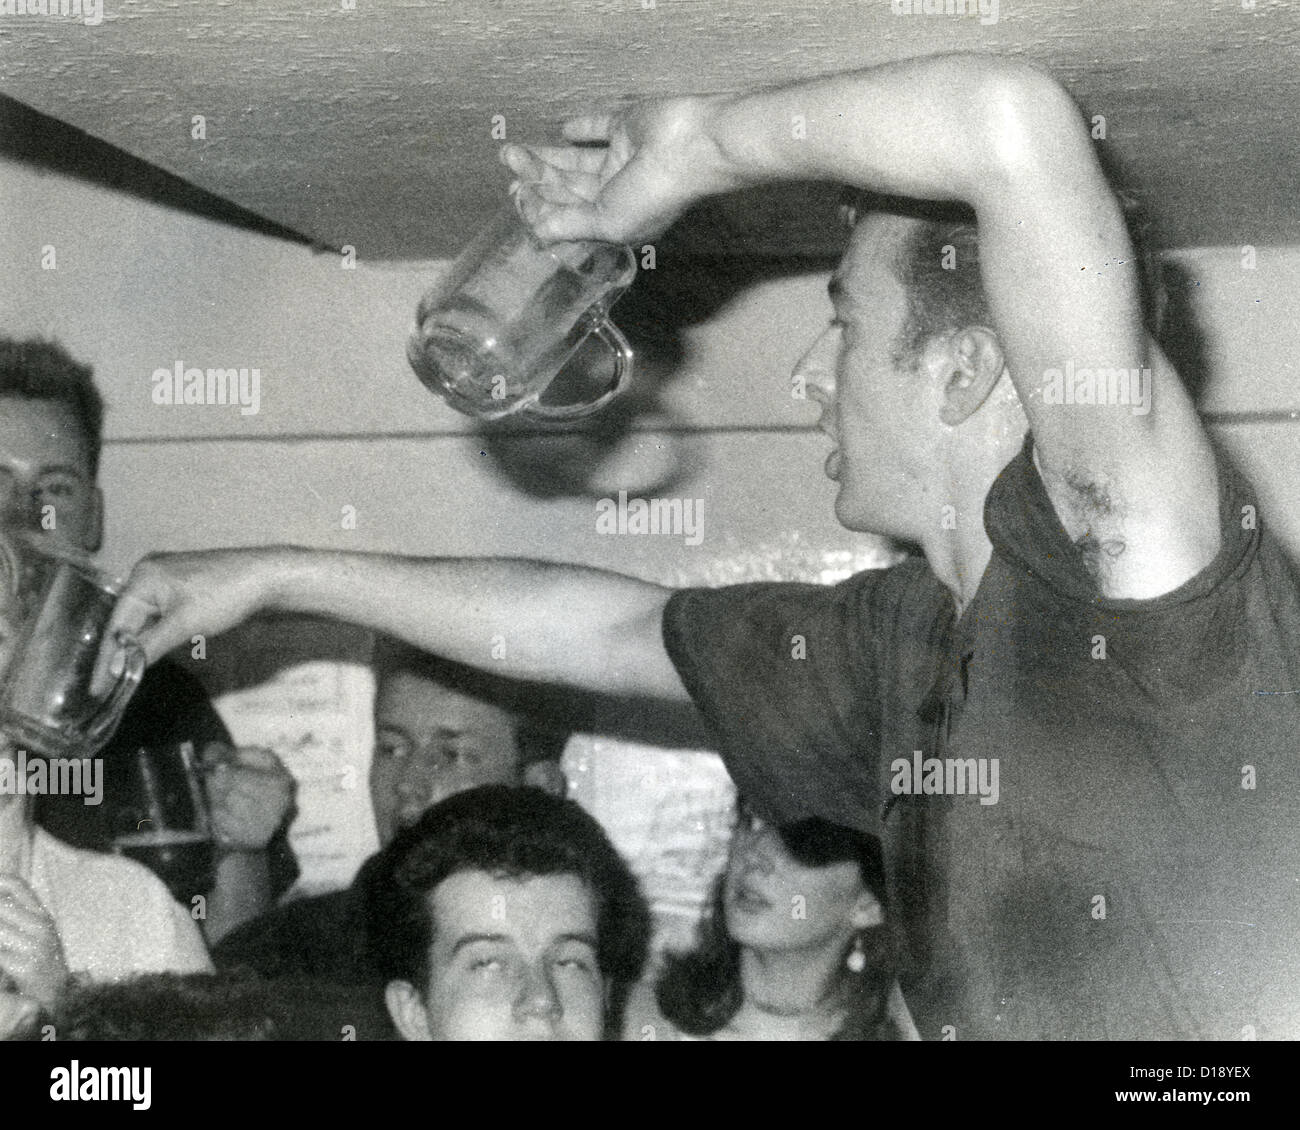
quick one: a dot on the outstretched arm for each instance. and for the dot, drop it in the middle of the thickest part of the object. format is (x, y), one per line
(584, 628)
(1056, 260)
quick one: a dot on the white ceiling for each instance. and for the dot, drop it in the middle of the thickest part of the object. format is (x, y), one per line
(372, 126)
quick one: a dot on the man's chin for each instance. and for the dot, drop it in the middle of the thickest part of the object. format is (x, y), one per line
(850, 516)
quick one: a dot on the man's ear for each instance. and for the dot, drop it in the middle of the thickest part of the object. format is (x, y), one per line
(547, 775)
(95, 522)
(867, 912)
(970, 363)
(406, 1008)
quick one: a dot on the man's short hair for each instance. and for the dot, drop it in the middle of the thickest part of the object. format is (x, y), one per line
(513, 832)
(43, 370)
(938, 265)
(537, 738)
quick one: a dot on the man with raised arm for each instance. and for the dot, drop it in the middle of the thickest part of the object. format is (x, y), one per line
(1098, 609)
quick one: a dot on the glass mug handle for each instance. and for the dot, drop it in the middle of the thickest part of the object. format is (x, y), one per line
(101, 724)
(613, 338)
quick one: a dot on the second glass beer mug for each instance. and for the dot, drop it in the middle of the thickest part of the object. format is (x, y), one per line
(165, 819)
(494, 333)
(55, 614)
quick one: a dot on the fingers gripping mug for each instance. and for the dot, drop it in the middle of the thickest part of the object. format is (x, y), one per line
(55, 625)
(511, 311)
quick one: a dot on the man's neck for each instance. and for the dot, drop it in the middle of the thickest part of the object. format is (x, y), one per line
(959, 562)
(959, 554)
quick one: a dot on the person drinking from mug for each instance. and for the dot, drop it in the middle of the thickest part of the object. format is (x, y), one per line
(51, 417)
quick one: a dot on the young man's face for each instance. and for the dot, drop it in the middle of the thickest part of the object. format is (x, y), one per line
(511, 959)
(430, 743)
(880, 417)
(45, 462)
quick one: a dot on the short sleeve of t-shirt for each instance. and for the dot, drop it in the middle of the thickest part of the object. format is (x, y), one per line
(794, 681)
(1181, 644)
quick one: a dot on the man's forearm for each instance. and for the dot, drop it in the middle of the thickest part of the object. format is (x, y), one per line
(241, 892)
(938, 128)
(525, 619)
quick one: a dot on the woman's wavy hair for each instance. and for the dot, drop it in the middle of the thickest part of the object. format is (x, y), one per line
(700, 990)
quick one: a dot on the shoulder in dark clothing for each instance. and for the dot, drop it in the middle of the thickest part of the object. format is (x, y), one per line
(320, 937)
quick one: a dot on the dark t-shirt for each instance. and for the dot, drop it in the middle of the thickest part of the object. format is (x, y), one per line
(316, 950)
(1138, 875)
(169, 707)
(322, 937)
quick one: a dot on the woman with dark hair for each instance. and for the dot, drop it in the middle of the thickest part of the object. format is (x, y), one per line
(796, 947)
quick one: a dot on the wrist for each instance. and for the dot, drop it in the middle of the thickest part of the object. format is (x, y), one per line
(279, 575)
(713, 164)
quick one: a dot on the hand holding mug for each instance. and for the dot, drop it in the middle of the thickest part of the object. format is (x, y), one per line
(625, 176)
(250, 792)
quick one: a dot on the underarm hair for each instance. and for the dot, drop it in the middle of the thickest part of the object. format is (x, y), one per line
(1093, 506)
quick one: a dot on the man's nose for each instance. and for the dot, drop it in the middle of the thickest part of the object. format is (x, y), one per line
(814, 372)
(417, 778)
(537, 998)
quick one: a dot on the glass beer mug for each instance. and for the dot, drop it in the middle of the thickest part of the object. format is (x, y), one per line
(55, 612)
(166, 822)
(511, 311)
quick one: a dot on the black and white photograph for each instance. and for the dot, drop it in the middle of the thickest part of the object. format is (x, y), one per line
(650, 521)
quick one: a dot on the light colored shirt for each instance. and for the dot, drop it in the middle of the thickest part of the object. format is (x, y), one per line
(114, 916)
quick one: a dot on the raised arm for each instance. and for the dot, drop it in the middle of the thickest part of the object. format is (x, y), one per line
(564, 624)
(1056, 260)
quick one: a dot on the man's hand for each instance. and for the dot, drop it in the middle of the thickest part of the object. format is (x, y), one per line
(625, 176)
(31, 955)
(249, 792)
(172, 597)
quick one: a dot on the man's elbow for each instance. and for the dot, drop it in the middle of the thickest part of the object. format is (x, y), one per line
(1031, 123)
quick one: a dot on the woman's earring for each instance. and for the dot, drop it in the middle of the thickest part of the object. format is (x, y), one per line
(857, 959)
